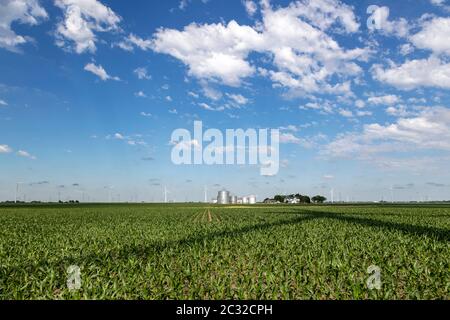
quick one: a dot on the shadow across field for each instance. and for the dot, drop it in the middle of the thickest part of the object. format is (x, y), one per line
(358, 218)
(194, 240)
(150, 250)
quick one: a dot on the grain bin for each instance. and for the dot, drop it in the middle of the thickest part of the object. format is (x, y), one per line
(233, 199)
(252, 199)
(223, 197)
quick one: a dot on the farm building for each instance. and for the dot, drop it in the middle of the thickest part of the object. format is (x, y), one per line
(225, 197)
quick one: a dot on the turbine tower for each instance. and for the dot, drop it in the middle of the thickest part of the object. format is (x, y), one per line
(109, 193)
(17, 191)
(165, 194)
(81, 192)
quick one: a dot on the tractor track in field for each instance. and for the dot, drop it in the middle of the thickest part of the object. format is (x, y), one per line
(206, 216)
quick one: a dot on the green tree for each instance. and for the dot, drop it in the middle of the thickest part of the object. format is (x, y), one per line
(302, 198)
(305, 199)
(279, 198)
(319, 199)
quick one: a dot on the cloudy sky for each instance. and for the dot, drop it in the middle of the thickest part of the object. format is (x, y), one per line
(91, 90)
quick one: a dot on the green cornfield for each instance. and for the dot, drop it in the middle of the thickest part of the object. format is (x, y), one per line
(184, 251)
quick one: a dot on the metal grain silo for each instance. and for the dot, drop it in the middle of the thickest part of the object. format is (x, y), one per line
(245, 200)
(233, 199)
(223, 197)
(252, 199)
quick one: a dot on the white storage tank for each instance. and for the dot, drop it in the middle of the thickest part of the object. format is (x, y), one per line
(245, 200)
(223, 197)
(252, 199)
(233, 199)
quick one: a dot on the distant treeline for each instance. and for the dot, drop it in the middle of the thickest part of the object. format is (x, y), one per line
(37, 202)
(296, 198)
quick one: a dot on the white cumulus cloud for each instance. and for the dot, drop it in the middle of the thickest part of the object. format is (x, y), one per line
(28, 12)
(238, 98)
(250, 7)
(25, 154)
(297, 39)
(100, 72)
(427, 130)
(214, 51)
(384, 100)
(379, 21)
(431, 72)
(434, 36)
(142, 73)
(140, 94)
(5, 148)
(82, 20)
(132, 41)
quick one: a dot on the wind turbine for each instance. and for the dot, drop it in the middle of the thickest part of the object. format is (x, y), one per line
(60, 187)
(17, 191)
(82, 194)
(109, 192)
(165, 194)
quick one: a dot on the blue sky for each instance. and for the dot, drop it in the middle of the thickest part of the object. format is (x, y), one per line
(90, 92)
